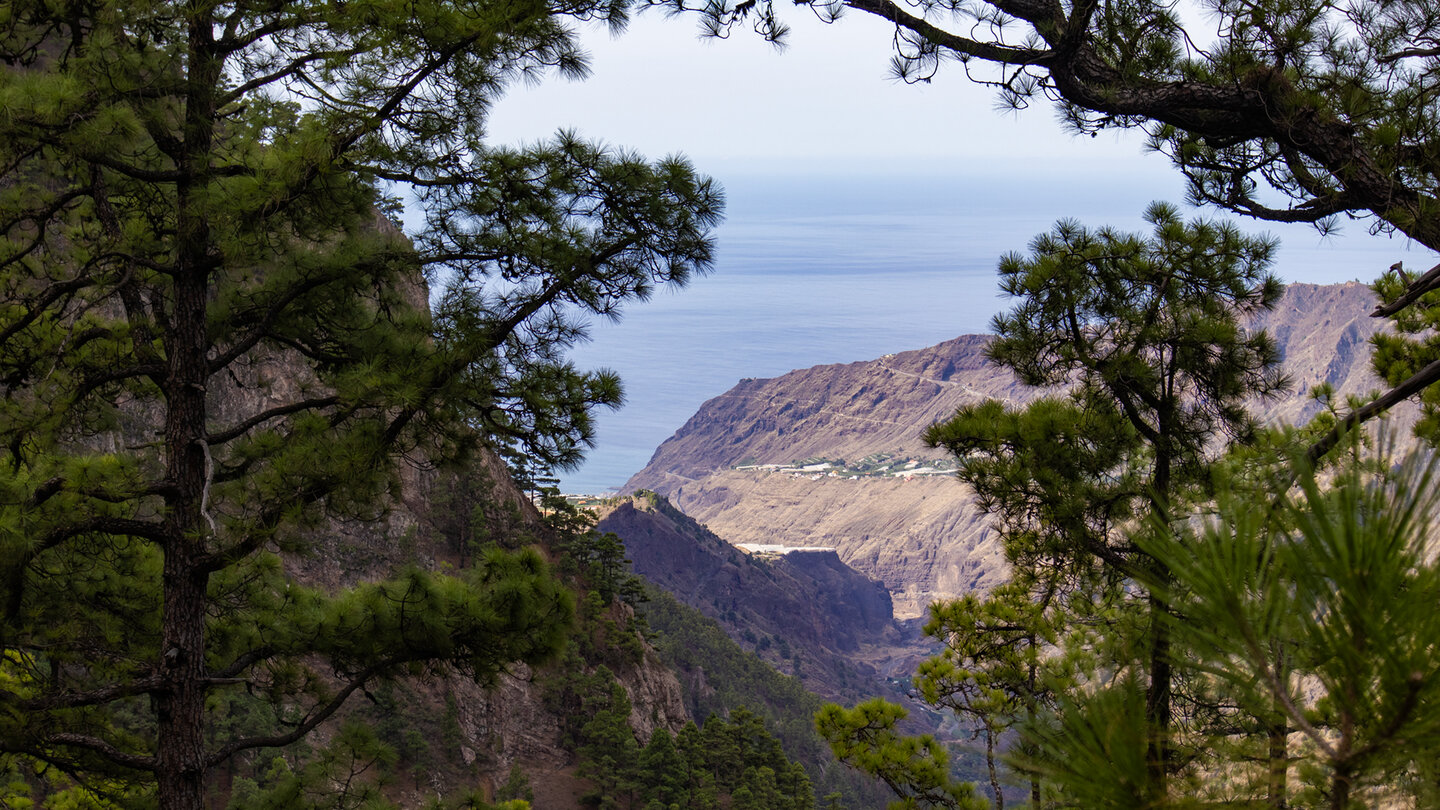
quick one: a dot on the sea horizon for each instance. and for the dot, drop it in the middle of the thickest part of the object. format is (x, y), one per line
(819, 269)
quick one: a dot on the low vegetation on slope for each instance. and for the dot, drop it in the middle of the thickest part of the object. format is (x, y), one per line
(718, 675)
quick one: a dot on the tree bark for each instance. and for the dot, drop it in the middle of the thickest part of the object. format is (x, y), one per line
(1157, 693)
(990, 763)
(1340, 786)
(180, 702)
(1157, 698)
(1278, 733)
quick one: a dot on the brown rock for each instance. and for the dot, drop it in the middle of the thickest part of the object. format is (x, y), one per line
(921, 537)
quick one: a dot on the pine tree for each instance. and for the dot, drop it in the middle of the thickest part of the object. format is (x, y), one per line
(212, 343)
(1315, 606)
(1147, 333)
(665, 774)
(609, 754)
(998, 664)
(1146, 336)
(516, 786)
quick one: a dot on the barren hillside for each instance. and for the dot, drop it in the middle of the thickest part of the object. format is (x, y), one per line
(918, 533)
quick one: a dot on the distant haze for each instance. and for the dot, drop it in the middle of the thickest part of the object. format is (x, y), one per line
(817, 269)
(826, 101)
(866, 215)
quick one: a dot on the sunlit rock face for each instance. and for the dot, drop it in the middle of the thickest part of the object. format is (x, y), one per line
(749, 463)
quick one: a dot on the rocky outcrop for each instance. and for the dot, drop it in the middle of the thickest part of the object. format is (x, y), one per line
(825, 612)
(855, 409)
(510, 723)
(920, 535)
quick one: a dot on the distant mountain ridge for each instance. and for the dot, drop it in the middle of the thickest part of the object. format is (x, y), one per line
(921, 537)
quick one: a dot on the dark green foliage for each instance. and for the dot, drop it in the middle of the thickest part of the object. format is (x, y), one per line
(609, 755)
(1053, 473)
(1002, 663)
(667, 771)
(215, 349)
(1310, 615)
(348, 774)
(1410, 351)
(1146, 658)
(1091, 751)
(696, 648)
(571, 690)
(1147, 331)
(600, 559)
(700, 769)
(1317, 608)
(516, 786)
(916, 769)
(692, 643)
(1145, 334)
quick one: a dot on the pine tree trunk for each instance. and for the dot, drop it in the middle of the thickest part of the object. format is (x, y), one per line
(1033, 682)
(1157, 698)
(179, 707)
(1279, 758)
(180, 703)
(1157, 694)
(1340, 786)
(990, 763)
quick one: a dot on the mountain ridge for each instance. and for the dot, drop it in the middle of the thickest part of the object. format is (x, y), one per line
(921, 536)
(825, 611)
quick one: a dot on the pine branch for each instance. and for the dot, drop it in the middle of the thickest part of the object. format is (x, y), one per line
(86, 742)
(313, 718)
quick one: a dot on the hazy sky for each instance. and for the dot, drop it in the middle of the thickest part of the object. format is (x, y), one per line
(827, 97)
(826, 104)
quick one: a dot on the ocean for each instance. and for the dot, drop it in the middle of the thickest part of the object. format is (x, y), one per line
(816, 269)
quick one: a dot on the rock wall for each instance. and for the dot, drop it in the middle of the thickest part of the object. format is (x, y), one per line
(508, 724)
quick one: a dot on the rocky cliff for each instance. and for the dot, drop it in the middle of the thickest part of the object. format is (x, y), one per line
(739, 464)
(476, 734)
(431, 519)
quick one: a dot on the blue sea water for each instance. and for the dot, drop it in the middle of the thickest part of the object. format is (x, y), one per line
(815, 269)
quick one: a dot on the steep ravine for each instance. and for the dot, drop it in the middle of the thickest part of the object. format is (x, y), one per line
(826, 613)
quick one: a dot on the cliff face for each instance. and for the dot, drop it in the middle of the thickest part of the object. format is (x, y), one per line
(509, 724)
(921, 537)
(429, 520)
(825, 612)
(919, 534)
(860, 408)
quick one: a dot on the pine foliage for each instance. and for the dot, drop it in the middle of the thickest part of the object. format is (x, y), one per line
(215, 348)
